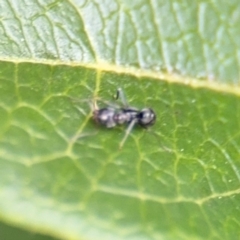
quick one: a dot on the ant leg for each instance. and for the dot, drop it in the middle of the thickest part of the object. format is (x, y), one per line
(129, 129)
(120, 94)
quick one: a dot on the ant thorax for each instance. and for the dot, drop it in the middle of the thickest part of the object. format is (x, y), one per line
(125, 115)
(111, 117)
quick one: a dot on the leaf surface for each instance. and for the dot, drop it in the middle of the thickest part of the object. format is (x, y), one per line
(62, 175)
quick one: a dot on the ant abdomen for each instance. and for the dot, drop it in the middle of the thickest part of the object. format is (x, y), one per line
(146, 117)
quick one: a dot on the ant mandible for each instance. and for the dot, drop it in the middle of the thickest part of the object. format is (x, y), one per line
(112, 116)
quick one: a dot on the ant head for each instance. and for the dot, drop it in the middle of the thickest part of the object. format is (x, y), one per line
(146, 117)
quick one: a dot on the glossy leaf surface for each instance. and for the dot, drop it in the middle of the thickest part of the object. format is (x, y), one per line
(63, 175)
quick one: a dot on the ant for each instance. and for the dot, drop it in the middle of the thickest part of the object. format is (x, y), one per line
(111, 116)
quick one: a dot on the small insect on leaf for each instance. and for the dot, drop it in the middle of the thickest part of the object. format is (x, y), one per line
(113, 116)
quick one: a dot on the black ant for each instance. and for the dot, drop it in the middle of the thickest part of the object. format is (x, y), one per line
(112, 116)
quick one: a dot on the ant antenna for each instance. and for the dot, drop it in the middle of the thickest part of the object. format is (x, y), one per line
(120, 94)
(129, 129)
(94, 105)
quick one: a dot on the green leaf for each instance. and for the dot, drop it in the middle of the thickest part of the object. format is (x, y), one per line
(9, 233)
(62, 175)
